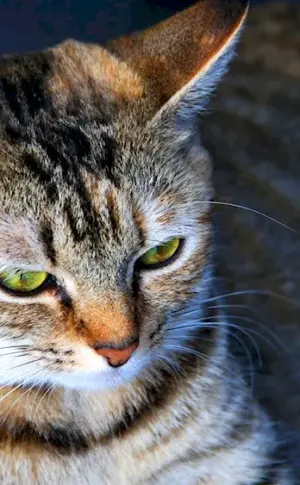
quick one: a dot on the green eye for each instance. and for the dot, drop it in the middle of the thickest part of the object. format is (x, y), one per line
(22, 281)
(162, 253)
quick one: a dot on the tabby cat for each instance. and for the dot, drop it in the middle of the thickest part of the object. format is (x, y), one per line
(116, 361)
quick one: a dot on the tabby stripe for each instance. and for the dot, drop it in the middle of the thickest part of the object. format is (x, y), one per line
(33, 93)
(35, 167)
(53, 438)
(77, 233)
(26, 96)
(78, 147)
(47, 239)
(107, 161)
(43, 174)
(68, 146)
(140, 225)
(113, 214)
(10, 92)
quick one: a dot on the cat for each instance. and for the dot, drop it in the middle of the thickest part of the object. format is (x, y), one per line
(116, 362)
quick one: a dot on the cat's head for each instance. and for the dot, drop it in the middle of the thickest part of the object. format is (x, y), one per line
(105, 229)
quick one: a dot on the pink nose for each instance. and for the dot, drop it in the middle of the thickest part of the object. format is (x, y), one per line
(116, 357)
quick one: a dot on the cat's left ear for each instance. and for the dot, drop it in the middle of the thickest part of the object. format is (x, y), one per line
(181, 59)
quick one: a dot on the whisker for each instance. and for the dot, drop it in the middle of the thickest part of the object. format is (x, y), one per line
(253, 292)
(254, 211)
(239, 306)
(15, 347)
(276, 339)
(246, 331)
(207, 323)
(19, 385)
(49, 390)
(21, 397)
(184, 335)
(247, 352)
(52, 387)
(216, 324)
(176, 368)
(16, 353)
(181, 348)
(26, 363)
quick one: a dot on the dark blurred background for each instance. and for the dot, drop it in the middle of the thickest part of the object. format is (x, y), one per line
(34, 24)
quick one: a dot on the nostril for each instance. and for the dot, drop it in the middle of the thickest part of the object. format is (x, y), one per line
(116, 356)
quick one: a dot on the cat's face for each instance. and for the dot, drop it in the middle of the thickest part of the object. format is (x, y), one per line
(105, 229)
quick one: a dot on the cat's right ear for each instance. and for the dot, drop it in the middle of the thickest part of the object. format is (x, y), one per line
(181, 59)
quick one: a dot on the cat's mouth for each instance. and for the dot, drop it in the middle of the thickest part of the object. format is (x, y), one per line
(106, 378)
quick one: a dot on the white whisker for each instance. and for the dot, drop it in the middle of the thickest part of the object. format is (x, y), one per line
(262, 324)
(48, 391)
(254, 211)
(23, 395)
(171, 363)
(26, 363)
(188, 350)
(19, 385)
(253, 292)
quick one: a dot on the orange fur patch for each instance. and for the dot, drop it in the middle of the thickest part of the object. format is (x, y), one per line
(104, 323)
(140, 222)
(167, 218)
(90, 71)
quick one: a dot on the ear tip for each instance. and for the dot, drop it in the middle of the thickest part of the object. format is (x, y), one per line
(213, 15)
(231, 13)
(243, 5)
(230, 7)
(232, 3)
(225, 8)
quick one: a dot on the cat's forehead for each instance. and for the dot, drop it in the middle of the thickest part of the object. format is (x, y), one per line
(85, 180)
(77, 155)
(74, 148)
